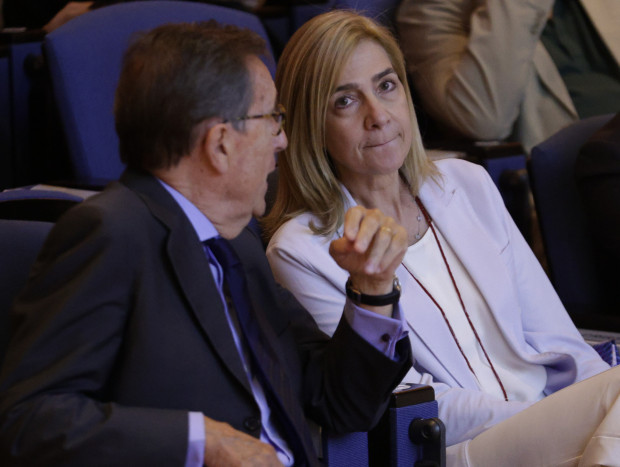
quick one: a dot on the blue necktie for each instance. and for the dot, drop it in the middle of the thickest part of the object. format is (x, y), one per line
(265, 364)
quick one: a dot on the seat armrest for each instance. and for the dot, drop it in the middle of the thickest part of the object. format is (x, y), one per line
(389, 443)
(407, 394)
(410, 432)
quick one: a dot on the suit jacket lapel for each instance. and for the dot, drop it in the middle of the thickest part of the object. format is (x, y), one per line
(605, 15)
(268, 340)
(268, 354)
(191, 269)
(550, 77)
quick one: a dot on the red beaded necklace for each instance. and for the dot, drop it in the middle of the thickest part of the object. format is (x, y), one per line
(427, 217)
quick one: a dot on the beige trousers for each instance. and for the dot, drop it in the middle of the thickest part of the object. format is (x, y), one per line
(577, 426)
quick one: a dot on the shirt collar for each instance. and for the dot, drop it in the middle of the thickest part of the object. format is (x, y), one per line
(202, 225)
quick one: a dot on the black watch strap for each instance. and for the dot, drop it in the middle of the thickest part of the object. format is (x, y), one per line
(374, 300)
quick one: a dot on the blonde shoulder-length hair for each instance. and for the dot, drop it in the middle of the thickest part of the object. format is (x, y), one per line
(306, 78)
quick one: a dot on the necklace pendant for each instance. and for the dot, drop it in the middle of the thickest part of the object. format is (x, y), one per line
(417, 236)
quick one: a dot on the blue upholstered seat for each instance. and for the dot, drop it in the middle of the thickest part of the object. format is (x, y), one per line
(567, 242)
(84, 58)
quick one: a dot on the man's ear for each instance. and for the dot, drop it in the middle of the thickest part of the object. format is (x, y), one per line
(217, 146)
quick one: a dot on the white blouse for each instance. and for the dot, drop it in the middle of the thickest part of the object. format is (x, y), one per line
(522, 380)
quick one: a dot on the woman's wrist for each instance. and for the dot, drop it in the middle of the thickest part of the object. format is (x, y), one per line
(375, 294)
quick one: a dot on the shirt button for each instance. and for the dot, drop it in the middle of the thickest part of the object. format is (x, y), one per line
(385, 337)
(252, 423)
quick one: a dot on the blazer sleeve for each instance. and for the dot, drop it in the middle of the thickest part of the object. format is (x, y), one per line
(471, 61)
(301, 263)
(69, 327)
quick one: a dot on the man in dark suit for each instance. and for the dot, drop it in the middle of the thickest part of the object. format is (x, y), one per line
(598, 178)
(151, 331)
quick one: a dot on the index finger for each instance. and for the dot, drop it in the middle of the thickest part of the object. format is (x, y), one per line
(352, 220)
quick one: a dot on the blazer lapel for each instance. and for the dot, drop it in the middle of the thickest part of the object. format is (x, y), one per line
(453, 216)
(429, 334)
(429, 327)
(192, 270)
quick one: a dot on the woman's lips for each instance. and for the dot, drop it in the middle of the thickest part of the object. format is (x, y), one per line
(383, 143)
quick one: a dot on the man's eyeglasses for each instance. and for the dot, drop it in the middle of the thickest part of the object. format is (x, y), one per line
(278, 115)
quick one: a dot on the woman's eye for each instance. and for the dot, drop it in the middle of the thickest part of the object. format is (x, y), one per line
(343, 102)
(387, 85)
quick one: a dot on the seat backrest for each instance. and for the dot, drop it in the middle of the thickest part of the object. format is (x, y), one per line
(19, 108)
(84, 58)
(36, 204)
(6, 151)
(383, 11)
(561, 215)
(20, 242)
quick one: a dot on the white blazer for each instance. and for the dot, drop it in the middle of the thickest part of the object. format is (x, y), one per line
(469, 211)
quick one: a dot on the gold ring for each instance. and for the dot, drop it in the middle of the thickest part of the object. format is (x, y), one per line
(386, 229)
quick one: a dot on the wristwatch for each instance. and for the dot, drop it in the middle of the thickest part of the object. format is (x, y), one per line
(360, 298)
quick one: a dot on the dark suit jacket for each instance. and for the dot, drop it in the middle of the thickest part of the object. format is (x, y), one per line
(120, 332)
(598, 178)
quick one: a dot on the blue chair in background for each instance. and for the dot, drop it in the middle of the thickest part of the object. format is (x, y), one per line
(18, 106)
(84, 58)
(282, 19)
(563, 224)
(6, 163)
(36, 204)
(383, 11)
(26, 217)
(20, 242)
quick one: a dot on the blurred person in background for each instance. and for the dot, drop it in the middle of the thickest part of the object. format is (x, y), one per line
(512, 69)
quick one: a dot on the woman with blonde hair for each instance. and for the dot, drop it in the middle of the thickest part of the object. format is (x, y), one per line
(310, 75)
(487, 330)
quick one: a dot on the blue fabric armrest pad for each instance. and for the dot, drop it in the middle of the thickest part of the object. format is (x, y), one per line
(608, 351)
